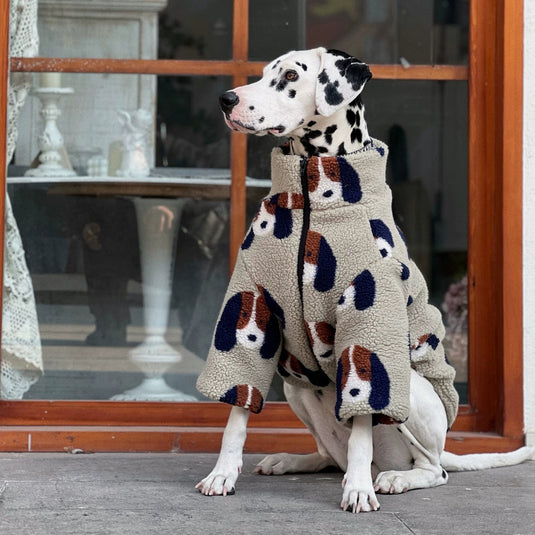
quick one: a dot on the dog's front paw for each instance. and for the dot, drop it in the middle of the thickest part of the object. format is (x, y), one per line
(357, 498)
(220, 481)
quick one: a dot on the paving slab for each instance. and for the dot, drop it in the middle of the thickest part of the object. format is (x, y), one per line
(130, 494)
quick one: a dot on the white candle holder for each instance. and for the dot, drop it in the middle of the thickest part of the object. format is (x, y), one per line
(51, 140)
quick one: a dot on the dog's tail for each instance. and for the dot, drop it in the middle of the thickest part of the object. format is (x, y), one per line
(481, 461)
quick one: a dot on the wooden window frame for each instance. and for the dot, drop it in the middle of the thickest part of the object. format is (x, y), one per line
(493, 421)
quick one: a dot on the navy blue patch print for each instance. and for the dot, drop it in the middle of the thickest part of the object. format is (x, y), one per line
(383, 237)
(225, 333)
(410, 300)
(380, 150)
(405, 272)
(364, 285)
(248, 240)
(349, 178)
(380, 394)
(246, 396)
(361, 292)
(319, 262)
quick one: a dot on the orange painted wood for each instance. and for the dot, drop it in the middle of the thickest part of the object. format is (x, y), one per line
(484, 251)
(163, 67)
(117, 413)
(238, 146)
(200, 440)
(511, 146)
(198, 414)
(237, 66)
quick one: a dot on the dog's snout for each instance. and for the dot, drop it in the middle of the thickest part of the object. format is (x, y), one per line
(228, 100)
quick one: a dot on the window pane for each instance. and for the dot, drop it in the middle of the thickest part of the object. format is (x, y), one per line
(126, 274)
(376, 31)
(167, 29)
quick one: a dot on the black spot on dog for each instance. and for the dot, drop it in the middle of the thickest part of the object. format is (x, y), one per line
(356, 133)
(333, 97)
(329, 131)
(273, 82)
(323, 149)
(311, 123)
(261, 120)
(251, 107)
(276, 64)
(302, 65)
(444, 475)
(314, 134)
(292, 93)
(281, 85)
(300, 122)
(367, 142)
(341, 149)
(323, 77)
(350, 116)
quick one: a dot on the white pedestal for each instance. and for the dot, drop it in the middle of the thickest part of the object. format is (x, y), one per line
(158, 223)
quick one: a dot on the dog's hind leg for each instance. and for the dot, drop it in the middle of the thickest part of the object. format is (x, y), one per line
(314, 409)
(424, 435)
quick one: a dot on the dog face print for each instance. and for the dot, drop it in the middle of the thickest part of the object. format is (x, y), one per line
(361, 377)
(332, 178)
(274, 217)
(294, 88)
(252, 320)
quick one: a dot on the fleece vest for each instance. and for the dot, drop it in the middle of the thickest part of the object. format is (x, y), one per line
(324, 293)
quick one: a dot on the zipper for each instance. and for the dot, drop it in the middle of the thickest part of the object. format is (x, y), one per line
(305, 228)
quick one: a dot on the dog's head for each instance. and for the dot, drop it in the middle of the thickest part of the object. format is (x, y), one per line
(293, 89)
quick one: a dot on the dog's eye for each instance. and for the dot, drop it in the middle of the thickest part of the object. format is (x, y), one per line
(291, 76)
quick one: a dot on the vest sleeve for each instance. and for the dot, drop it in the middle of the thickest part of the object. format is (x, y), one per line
(246, 345)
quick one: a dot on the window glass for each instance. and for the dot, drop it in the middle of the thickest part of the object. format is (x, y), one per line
(136, 29)
(376, 31)
(127, 253)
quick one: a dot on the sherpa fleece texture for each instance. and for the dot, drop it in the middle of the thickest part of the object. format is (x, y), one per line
(324, 292)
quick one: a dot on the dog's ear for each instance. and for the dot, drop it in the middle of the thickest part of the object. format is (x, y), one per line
(225, 333)
(341, 79)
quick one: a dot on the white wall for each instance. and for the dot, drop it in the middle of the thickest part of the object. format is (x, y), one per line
(529, 221)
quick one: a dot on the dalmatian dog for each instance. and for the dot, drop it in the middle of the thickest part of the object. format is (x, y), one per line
(312, 98)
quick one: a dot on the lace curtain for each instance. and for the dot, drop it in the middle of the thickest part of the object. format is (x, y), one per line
(21, 364)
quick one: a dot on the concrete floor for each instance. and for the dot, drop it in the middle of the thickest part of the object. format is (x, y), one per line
(130, 494)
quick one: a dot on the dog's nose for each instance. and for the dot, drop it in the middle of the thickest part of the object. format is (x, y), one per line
(228, 100)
